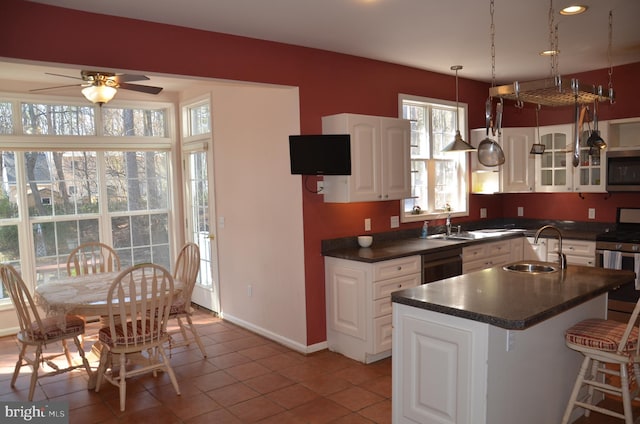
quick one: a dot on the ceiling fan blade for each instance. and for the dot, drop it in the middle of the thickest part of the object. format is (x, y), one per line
(141, 88)
(58, 86)
(129, 77)
(60, 75)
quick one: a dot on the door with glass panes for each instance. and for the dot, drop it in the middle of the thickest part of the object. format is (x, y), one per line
(200, 201)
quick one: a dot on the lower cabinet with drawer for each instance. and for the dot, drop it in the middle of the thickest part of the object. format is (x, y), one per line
(578, 252)
(358, 296)
(486, 255)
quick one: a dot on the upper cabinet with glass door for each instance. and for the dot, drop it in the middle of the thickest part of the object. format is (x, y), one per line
(554, 168)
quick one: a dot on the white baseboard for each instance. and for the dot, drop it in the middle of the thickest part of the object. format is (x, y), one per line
(291, 344)
(9, 331)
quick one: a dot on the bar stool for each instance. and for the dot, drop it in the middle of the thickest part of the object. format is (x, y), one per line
(605, 342)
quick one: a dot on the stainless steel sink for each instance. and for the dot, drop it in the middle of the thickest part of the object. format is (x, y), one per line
(455, 236)
(530, 268)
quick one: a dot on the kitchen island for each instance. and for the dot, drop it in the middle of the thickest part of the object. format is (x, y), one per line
(488, 347)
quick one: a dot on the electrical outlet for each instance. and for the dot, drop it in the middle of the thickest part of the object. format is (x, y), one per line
(249, 290)
(320, 187)
(395, 221)
(520, 211)
(367, 224)
(592, 213)
(483, 212)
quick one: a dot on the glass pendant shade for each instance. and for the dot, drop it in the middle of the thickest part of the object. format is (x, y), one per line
(99, 93)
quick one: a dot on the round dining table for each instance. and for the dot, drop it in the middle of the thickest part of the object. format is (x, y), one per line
(84, 295)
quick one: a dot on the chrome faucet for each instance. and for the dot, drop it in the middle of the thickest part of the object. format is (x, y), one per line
(561, 256)
(448, 224)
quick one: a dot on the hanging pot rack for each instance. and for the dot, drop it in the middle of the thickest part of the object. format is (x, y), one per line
(555, 91)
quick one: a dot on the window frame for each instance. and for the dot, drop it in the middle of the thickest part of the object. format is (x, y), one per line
(20, 142)
(463, 189)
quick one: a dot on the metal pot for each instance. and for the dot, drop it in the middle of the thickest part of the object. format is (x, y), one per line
(489, 151)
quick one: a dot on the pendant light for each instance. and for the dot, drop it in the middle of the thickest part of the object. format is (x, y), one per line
(458, 144)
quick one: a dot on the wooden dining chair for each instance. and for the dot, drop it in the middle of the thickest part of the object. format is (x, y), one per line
(92, 258)
(39, 332)
(186, 271)
(138, 326)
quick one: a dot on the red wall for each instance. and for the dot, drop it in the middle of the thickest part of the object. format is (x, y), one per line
(328, 83)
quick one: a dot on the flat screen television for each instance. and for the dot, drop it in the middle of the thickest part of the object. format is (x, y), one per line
(320, 154)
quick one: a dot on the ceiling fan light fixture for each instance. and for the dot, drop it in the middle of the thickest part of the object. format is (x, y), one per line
(99, 94)
(575, 9)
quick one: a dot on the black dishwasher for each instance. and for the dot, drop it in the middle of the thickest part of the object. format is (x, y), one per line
(441, 264)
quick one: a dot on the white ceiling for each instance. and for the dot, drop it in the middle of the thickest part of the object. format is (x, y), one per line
(426, 34)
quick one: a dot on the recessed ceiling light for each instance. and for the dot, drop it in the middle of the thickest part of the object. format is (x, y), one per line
(549, 52)
(573, 10)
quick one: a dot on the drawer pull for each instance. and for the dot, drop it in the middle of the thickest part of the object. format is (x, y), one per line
(399, 268)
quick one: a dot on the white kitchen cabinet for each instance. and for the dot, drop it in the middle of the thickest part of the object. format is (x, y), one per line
(380, 159)
(534, 251)
(518, 171)
(487, 255)
(358, 297)
(554, 168)
(517, 174)
(578, 252)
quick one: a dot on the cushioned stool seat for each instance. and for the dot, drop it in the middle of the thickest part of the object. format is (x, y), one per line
(601, 334)
(604, 342)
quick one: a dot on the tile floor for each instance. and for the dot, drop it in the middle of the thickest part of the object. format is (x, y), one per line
(245, 378)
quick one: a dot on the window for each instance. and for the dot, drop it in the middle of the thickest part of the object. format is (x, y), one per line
(439, 180)
(68, 176)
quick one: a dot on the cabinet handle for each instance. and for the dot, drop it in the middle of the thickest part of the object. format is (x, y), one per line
(399, 268)
(399, 286)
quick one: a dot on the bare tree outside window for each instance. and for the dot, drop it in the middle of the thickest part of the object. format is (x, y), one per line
(62, 187)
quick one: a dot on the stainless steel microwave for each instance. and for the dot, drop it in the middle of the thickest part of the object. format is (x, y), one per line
(623, 169)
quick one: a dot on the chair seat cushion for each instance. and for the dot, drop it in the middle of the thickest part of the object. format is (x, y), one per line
(601, 334)
(57, 327)
(140, 336)
(178, 307)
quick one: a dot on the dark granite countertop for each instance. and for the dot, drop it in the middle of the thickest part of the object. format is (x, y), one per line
(392, 249)
(513, 300)
(407, 243)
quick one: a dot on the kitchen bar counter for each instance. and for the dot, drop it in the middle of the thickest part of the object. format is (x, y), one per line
(488, 347)
(513, 300)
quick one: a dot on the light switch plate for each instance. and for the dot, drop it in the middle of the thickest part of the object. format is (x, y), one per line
(520, 211)
(367, 224)
(592, 213)
(483, 212)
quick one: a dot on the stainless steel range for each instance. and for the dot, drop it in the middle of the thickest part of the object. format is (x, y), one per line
(620, 248)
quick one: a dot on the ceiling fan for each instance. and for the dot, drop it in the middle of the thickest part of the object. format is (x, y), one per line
(100, 87)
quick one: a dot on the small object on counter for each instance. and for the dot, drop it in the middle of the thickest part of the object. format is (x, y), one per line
(425, 230)
(365, 241)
